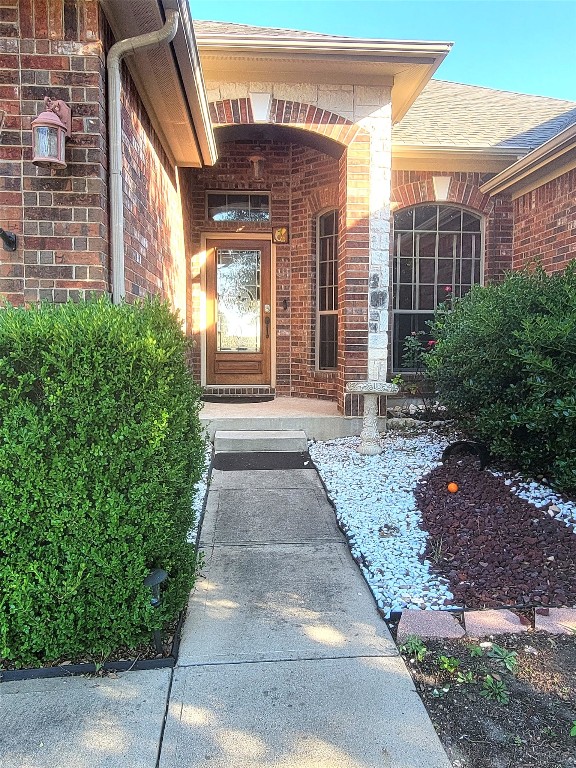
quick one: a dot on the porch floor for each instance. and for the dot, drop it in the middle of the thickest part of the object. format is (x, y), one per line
(320, 419)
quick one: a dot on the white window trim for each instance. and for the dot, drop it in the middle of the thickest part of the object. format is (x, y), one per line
(329, 311)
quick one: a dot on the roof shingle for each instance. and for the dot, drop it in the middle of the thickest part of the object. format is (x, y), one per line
(204, 29)
(457, 115)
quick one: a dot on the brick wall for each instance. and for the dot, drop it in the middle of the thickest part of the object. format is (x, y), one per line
(355, 266)
(155, 252)
(545, 225)
(53, 49)
(314, 189)
(302, 182)
(413, 187)
(58, 49)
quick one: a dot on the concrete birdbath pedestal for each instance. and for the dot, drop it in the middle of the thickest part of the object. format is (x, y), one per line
(371, 390)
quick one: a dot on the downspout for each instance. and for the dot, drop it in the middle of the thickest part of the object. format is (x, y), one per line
(116, 54)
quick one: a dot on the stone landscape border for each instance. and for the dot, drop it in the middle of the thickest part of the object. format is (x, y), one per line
(444, 624)
(479, 624)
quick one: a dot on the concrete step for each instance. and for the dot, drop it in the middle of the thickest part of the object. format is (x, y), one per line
(245, 441)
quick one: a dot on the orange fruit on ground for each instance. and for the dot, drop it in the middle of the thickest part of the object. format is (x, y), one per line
(452, 487)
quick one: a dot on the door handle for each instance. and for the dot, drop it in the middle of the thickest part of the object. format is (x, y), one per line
(267, 324)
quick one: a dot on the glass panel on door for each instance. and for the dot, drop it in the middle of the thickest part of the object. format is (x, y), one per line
(238, 293)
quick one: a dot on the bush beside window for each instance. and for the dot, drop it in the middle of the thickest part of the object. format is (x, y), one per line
(505, 361)
(100, 449)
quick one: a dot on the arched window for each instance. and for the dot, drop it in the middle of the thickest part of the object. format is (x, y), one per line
(437, 252)
(327, 291)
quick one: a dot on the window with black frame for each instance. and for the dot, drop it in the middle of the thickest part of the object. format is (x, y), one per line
(437, 255)
(327, 291)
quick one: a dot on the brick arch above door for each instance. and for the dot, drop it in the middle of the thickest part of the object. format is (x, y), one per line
(289, 113)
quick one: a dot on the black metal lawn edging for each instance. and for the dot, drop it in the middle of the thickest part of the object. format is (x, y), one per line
(90, 668)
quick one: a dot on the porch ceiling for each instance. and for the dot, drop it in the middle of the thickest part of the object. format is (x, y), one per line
(284, 134)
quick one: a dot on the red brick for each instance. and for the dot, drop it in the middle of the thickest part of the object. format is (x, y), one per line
(428, 624)
(544, 221)
(485, 623)
(558, 621)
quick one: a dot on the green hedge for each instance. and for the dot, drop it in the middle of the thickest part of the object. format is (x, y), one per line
(100, 449)
(505, 362)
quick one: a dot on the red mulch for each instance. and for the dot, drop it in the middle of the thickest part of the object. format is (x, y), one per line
(495, 548)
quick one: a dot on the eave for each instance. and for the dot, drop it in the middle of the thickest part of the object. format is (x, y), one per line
(406, 66)
(481, 159)
(168, 78)
(552, 159)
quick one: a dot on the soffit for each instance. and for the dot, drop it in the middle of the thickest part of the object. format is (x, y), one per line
(464, 159)
(262, 132)
(168, 78)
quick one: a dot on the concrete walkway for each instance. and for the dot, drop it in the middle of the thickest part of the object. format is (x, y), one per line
(284, 661)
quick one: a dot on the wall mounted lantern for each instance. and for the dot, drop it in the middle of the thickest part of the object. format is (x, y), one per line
(49, 132)
(257, 160)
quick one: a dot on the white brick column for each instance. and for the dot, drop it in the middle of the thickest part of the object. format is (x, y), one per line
(378, 124)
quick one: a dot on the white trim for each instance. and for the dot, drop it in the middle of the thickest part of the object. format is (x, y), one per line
(556, 150)
(323, 212)
(204, 237)
(404, 50)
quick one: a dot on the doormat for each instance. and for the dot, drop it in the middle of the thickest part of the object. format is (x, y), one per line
(234, 462)
(240, 399)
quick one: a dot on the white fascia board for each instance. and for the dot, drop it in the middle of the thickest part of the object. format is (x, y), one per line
(400, 148)
(188, 59)
(345, 46)
(545, 155)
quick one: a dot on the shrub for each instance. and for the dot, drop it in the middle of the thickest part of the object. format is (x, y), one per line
(100, 449)
(505, 361)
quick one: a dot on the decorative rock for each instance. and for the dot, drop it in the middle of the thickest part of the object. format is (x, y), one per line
(485, 623)
(559, 621)
(399, 423)
(428, 624)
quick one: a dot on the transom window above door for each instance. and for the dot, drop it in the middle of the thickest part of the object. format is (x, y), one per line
(437, 254)
(238, 206)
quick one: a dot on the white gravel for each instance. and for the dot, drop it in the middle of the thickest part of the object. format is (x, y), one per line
(542, 497)
(376, 508)
(200, 494)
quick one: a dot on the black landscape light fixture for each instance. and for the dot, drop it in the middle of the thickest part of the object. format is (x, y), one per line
(9, 240)
(153, 581)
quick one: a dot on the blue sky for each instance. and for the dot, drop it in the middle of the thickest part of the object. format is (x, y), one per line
(516, 45)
